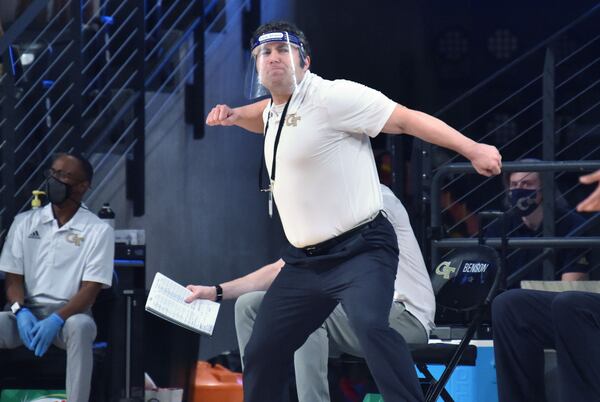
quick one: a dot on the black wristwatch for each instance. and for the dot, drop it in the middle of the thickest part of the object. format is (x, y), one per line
(219, 290)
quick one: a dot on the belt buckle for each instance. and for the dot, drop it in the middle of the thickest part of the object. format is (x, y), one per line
(310, 250)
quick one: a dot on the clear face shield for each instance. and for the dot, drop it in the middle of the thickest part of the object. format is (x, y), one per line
(276, 60)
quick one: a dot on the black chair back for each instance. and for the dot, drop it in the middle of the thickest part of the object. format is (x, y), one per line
(466, 278)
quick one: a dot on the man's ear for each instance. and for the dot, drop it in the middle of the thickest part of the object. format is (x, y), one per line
(306, 63)
(84, 186)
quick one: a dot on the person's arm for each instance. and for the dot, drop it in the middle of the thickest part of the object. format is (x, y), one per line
(82, 301)
(26, 321)
(248, 117)
(574, 276)
(485, 158)
(45, 331)
(592, 202)
(15, 288)
(260, 279)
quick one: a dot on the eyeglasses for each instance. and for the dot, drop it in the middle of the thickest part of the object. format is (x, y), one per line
(59, 174)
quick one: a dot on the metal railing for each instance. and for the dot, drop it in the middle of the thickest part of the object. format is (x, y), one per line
(82, 78)
(550, 115)
(547, 241)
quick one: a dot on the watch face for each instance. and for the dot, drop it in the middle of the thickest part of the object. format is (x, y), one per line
(15, 307)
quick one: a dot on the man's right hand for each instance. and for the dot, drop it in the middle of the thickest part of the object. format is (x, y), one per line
(25, 323)
(201, 292)
(222, 115)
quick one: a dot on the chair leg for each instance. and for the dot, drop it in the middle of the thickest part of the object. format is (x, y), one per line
(446, 397)
(451, 365)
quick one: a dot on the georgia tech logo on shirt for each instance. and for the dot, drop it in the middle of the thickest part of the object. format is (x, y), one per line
(75, 239)
(445, 270)
(292, 120)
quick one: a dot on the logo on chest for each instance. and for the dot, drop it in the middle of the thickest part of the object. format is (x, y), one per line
(34, 235)
(292, 120)
(75, 239)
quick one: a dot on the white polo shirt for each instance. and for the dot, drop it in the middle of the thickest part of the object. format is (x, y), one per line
(412, 285)
(54, 261)
(326, 181)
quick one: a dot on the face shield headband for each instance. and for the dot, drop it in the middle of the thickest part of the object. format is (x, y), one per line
(258, 84)
(280, 37)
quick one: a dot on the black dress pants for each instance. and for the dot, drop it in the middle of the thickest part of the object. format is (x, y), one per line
(525, 322)
(358, 272)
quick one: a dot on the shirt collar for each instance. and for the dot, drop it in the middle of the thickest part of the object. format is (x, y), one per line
(300, 92)
(76, 222)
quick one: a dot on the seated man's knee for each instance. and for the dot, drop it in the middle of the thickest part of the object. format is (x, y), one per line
(505, 304)
(7, 319)
(80, 326)
(566, 306)
(9, 335)
(247, 305)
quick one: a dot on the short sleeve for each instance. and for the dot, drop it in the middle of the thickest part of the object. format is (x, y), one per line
(357, 109)
(11, 259)
(100, 260)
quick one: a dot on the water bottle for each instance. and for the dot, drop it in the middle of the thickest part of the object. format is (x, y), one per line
(107, 214)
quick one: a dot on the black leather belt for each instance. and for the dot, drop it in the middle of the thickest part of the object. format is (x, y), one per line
(323, 247)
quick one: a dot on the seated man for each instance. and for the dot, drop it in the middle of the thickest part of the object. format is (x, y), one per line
(526, 322)
(411, 315)
(526, 220)
(56, 259)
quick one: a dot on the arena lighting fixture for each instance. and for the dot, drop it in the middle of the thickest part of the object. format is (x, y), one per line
(503, 44)
(453, 44)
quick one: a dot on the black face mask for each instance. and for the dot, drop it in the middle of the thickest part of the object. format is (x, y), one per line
(57, 191)
(523, 201)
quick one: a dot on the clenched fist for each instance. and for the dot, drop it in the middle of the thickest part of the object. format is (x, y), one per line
(222, 115)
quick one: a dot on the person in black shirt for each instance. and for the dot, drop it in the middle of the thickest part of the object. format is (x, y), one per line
(525, 322)
(526, 220)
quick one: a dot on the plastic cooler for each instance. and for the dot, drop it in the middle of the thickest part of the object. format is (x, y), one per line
(217, 384)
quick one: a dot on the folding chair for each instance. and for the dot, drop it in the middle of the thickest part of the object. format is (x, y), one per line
(466, 280)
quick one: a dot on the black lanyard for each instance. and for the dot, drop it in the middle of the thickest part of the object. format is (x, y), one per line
(277, 136)
(276, 145)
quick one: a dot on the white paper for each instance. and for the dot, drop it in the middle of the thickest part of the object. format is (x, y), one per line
(167, 300)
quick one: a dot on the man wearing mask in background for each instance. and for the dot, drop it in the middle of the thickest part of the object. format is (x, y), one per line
(526, 220)
(56, 259)
(528, 321)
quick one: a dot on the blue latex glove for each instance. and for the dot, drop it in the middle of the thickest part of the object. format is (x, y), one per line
(25, 323)
(44, 333)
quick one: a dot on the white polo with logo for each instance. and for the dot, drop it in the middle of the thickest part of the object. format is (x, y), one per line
(326, 181)
(54, 261)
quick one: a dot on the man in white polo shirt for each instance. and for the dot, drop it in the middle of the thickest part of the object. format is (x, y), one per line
(56, 259)
(411, 315)
(324, 181)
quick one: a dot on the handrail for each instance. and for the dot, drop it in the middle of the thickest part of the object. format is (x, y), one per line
(66, 107)
(521, 242)
(19, 26)
(172, 51)
(538, 99)
(97, 34)
(166, 34)
(48, 25)
(571, 166)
